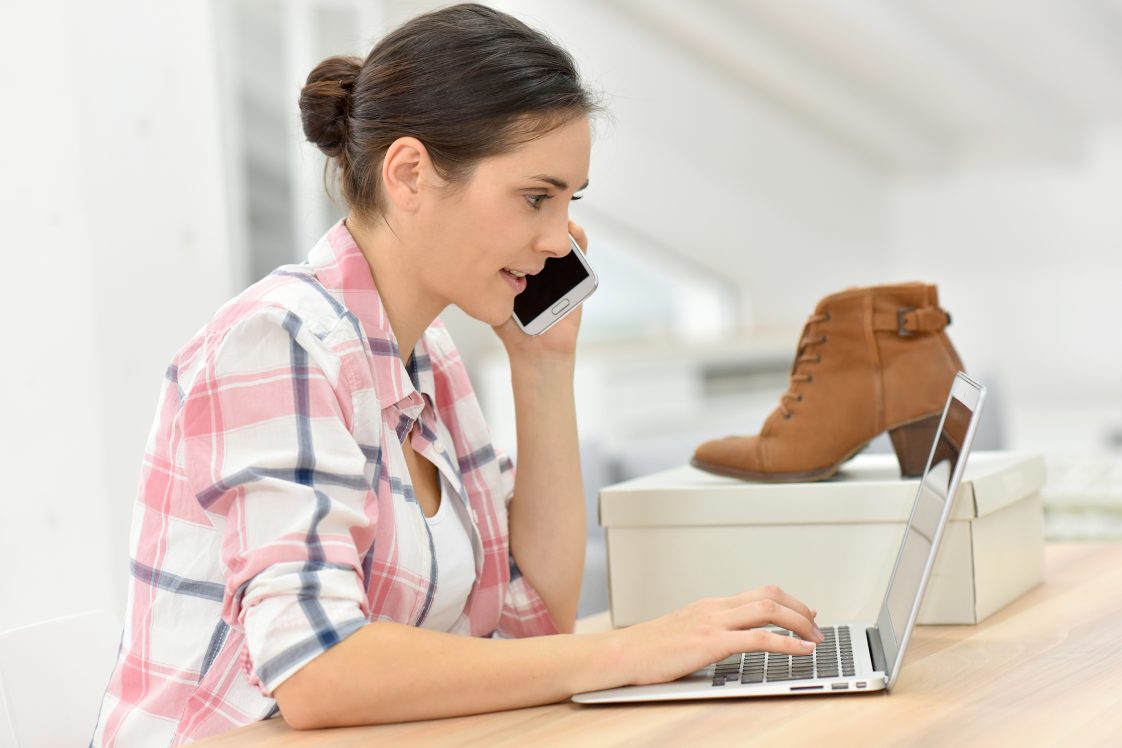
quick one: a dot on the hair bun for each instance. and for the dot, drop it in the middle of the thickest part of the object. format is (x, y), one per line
(324, 103)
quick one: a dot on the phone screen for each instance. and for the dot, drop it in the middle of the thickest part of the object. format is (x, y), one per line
(542, 291)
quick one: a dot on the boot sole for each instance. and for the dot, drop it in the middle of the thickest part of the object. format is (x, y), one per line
(911, 441)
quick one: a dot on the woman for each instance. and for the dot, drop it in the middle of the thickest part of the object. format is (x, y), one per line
(324, 528)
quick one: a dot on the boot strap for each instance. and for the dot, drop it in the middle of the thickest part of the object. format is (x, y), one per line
(907, 321)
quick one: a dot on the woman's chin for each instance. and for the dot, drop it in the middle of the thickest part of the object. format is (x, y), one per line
(493, 316)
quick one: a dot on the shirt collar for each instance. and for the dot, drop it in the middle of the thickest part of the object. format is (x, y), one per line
(342, 270)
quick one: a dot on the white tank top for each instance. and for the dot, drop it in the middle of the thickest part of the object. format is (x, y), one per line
(455, 562)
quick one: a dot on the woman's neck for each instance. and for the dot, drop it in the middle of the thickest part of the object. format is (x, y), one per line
(397, 269)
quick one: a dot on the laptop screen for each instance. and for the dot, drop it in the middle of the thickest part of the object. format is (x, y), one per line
(939, 480)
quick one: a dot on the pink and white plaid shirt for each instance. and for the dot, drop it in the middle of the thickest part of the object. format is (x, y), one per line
(275, 515)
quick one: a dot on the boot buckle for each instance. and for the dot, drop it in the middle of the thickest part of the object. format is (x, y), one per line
(901, 313)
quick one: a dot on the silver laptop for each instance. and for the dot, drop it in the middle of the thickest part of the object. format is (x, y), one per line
(855, 657)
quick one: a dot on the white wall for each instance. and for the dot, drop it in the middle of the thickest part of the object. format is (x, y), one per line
(1029, 260)
(117, 235)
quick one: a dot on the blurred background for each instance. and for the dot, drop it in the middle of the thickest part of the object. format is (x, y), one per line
(757, 156)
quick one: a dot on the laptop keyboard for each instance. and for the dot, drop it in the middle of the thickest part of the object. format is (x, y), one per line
(831, 658)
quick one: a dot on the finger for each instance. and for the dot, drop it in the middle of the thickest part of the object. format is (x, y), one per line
(577, 231)
(762, 640)
(778, 595)
(767, 611)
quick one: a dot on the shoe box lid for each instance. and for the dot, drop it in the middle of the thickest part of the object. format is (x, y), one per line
(867, 489)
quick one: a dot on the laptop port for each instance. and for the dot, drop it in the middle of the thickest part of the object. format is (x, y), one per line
(839, 686)
(861, 684)
(807, 688)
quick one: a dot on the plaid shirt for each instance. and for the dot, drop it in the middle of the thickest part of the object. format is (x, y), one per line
(275, 514)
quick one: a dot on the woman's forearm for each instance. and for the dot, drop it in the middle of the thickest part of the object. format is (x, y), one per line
(547, 515)
(388, 672)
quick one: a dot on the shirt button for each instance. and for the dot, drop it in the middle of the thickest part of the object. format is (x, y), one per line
(438, 445)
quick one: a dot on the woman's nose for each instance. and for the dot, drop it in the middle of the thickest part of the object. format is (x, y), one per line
(555, 244)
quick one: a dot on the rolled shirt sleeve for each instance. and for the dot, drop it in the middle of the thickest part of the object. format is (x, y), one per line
(292, 615)
(269, 453)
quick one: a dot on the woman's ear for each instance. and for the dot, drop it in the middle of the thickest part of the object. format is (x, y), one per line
(403, 167)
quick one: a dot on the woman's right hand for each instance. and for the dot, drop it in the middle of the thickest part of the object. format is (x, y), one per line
(711, 629)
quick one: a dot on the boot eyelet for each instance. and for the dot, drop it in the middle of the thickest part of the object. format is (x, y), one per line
(823, 339)
(787, 416)
(809, 378)
(799, 399)
(828, 318)
(818, 359)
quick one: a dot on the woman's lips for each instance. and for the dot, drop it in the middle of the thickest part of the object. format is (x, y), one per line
(516, 283)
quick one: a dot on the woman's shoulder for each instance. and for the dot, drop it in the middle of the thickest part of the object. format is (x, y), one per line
(292, 294)
(289, 304)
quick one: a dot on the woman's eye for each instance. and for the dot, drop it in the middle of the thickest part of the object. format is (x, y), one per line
(537, 200)
(577, 196)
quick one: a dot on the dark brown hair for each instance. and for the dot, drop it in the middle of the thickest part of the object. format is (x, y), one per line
(467, 81)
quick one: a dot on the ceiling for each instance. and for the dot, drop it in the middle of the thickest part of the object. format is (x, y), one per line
(915, 85)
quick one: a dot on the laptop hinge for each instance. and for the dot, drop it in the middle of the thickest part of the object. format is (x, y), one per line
(877, 650)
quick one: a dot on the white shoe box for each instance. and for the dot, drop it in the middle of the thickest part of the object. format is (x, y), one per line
(684, 534)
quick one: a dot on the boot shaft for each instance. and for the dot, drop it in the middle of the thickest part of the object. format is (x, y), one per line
(895, 333)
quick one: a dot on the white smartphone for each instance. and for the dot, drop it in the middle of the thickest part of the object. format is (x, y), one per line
(558, 289)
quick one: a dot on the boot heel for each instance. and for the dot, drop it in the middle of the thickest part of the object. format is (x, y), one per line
(912, 442)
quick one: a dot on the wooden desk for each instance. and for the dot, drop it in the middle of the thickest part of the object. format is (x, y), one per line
(1046, 670)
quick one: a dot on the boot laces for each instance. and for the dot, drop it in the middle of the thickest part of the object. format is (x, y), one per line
(803, 357)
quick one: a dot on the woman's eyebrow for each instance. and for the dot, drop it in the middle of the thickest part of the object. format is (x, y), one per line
(560, 184)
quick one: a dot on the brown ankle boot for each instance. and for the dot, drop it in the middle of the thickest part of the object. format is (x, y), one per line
(870, 360)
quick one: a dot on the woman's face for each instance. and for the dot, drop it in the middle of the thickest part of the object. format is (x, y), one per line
(511, 215)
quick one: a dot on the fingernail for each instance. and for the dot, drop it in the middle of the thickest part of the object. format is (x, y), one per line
(808, 646)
